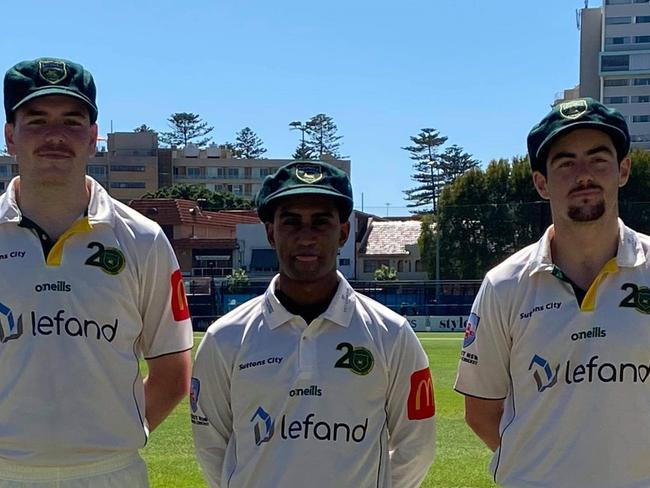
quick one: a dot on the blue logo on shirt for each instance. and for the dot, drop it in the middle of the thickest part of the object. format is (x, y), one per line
(543, 373)
(470, 329)
(264, 427)
(9, 327)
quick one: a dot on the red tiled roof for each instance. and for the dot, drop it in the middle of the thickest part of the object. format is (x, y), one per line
(169, 211)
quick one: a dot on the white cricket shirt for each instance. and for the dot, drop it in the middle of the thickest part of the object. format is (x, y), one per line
(73, 326)
(575, 378)
(346, 401)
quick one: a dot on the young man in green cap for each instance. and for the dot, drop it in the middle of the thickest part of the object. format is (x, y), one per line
(311, 384)
(556, 359)
(89, 286)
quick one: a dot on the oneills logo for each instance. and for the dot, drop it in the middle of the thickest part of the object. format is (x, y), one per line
(179, 301)
(421, 403)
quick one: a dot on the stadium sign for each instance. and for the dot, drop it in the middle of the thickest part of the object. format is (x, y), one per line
(437, 323)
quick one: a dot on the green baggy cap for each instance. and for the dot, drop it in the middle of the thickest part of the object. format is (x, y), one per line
(583, 113)
(48, 76)
(302, 178)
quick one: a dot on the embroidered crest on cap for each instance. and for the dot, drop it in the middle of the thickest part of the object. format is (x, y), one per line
(52, 71)
(573, 109)
(309, 173)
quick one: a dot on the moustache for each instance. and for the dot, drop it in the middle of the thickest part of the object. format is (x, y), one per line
(591, 186)
(59, 148)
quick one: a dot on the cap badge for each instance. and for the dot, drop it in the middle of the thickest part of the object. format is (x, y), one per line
(309, 173)
(52, 71)
(573, 109)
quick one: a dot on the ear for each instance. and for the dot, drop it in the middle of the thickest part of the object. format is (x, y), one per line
(345, 232)
(9, 138)
(92, 143)
(624, 171)
(269, 233)
(541, 185)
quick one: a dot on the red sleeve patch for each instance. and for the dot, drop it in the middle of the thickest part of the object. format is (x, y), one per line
(421, 404)
(179, 301)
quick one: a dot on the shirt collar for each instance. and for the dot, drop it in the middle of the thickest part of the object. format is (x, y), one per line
(340, 309)
(101, 208)
(630, 250)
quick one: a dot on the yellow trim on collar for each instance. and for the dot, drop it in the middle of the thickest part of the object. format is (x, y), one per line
(55, 255)
(589, 301)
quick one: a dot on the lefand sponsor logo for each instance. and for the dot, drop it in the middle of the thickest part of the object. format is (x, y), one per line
(421, 402)
(59, 324)
(594, 370)
(309, 428)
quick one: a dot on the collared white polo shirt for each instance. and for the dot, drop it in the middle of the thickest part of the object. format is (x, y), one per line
(575, 377)
(73, 325)
(345, 401)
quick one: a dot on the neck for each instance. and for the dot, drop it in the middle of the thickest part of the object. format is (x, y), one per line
(581, 251)
(54, 209)
(310, 293)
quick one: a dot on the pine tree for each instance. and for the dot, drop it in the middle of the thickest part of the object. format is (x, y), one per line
(185, 128)
(322, 137)
(248, 145)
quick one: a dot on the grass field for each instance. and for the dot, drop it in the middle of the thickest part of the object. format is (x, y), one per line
(461, 459)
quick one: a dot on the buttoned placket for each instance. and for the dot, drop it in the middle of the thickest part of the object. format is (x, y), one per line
(307, 355)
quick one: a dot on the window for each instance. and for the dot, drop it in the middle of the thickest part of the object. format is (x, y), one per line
(96, 172)
(213, 172)
(642, 19)
(238, 190)
(618, 20)
(617, 82)
(233, 173)
(642, 39)
(641, 1)
(5, 170)
(641, 99)
(640, 138)
(617, 2)
(193, 172)
(614, 41)
(264, 172)
(344, 262)
(641, 81)
(613, 100)
(2, 186)
(127, 184)
(640, 118)
(615, 63)
(127, 168)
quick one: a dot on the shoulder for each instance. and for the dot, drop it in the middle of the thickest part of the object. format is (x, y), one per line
(134, 222)
(513, 270)
(229, 330)
(378, 316)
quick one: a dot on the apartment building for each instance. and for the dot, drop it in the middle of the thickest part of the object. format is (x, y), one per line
(131, 164)
(615, 61)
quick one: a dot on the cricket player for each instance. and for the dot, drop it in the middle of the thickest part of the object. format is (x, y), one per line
(556, 356)
(311, 384)
(89, 286)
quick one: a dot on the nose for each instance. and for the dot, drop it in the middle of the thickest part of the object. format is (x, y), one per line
(306, 235)
(583, 173)
(55, 134)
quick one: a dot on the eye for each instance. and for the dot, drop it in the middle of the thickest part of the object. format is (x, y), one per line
(72, 122)
(35, 121)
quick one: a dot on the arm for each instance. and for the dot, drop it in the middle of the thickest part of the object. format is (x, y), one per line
(411, 412)
(211, 413)
(167, 383)
(483, 417)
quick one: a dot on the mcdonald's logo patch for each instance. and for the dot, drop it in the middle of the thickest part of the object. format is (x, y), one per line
(421, 403)
(179, 301)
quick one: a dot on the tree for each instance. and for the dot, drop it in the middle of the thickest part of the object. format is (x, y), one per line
(143, 128)
(454, 162)
(211, 200)
(237, 280)
(303, 152)
(248, 145)
(185, 128)
(427, 245)
(427, 167)
(384, 273)
(318, 138)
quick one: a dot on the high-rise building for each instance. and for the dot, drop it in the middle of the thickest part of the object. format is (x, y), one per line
(615, 61)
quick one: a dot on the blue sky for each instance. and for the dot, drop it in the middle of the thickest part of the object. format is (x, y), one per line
(480, 72)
